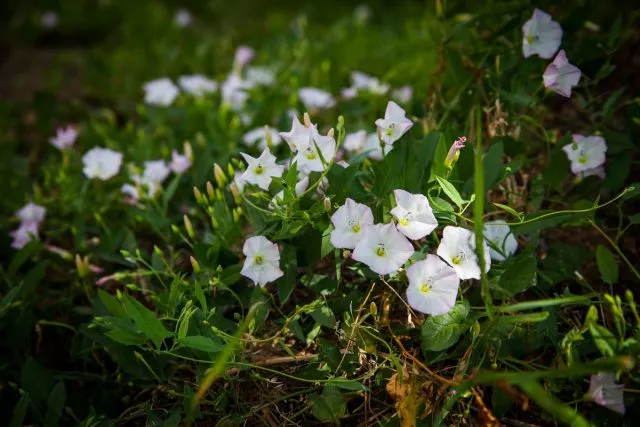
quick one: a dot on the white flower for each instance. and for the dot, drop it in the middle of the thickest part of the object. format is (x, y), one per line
(349, 93)
(598, 171)
(348, 221)
(259, 136)
(183, 18)
(301, 187)
(403, 94)
(31, 213)
(49, 19)
(362, 13)
(457, 248)
(179, 162)
(433, 286)
(197, 84)
(586, 153)
(394, 125)
(234, 92)
(238, 182)
(261, 170)
(65, 137)
(262, 264)
(315, 99)
(604, 391)
(260, 76)
(354, 142)
(560, 76)
(309, 154)
(243, 55)
(541, 35)
(299, 135)
(101, 163)
(156, 171)
(414, 215)
(373, 147)
(369, 83)
(143, 187)
(160, 92)
(382, 248)
(24, 234)
(498, 234)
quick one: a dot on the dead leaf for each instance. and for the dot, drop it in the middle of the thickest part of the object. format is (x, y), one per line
(405, 392)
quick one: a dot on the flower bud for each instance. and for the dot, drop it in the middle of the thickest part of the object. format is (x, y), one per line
(158, 252)
(219, 194)
(210, 190)
(346, 254)
(236, 217)
(235, 193)
(219, 175)
(230, 170)
(373, 309)
(214, 222)
(188, 151)
(189, 227)
(327, 205)
(198, 195)
(194, 264)
(82, 266)
(454, 152)
(307, 120)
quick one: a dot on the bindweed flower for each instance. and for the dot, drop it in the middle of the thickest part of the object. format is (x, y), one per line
(183, 18)
(403, 94)
(318, 151)
(31, 213)
(301, 187)
(348, 93)
(315, 99)
(599, 172)
(197, 84)
(243, 55)
(354, 142)
(262, 264)
(394, 125)
(348, 222)
(262, 76)
(374, 149)
(604, 391)
(586, 154)
(24, 234)
(49, 19)
(362, 81)
(414, 215)
(161, 92)
(143, 187)
(499, 236)
(156, 171)
(300, 134)
(234, 92)
(560, 76)
(263, 136)
(260, 170)
(180, 163)
(541, 35)
(454, 152)
(65, 137)
(458, 249)
(433, 286)
(101, 163)
(382, 248)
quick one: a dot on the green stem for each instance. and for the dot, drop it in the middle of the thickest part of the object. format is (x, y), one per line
(613, 244)
(553, 406)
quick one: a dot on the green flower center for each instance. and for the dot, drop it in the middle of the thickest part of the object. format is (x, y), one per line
(582, 159)
(404, 222)
(356, 228)
(425, 288)
(456, 260)
(380, 251)
(311, 155)
(259, 170)
(259, 259)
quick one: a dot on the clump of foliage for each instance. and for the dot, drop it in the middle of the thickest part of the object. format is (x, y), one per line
(451, 239)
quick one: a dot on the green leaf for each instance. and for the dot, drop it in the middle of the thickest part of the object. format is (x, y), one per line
(607, 265)
(324, 316)
(603, 339)
(558, 167)
(24, 255)
(328, 406)
(519, 274)
(125, 337)
(508, 209)
(634, 219)
(201, 343)
(441, 332)
(289, 264)
(346, 384)
(20, 411)
(170, 190)
(450, 191)
(146, 321)
(112, 305)
(55, 405)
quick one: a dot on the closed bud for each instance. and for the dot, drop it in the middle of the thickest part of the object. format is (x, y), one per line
(330, 133)
(219, 175)
(175, 229)
(198, 195)
(194, 264)
(219, 194)
(82, 266)
(158, 251)
(189, 227)
(210, 190)
(235, 193)
(346, 254)
(236, 217)
(119, 296)
(327, 205)
(188, 151)
(269, 139)
(373, 309)
(230, 170)
(214, 222)
(307, 120)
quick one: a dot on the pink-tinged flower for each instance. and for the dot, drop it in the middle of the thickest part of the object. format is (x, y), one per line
(382, 248)
(541, 35)
(315, 99)
(65, 137)
(31, 213)
(156, 171)
(454, 152)
(262, 263)
(180, 163)
(354, 142)
(604, 391)
(23, 235)
(197, 84)
(349, 93)
(183, 18)
(394, 125)
(560, 76)
(586, 154)
(101, 163)
(403, 94)
(244, 55)
(433, 286)
(161, 92)
(300, 134)
(260, 170)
